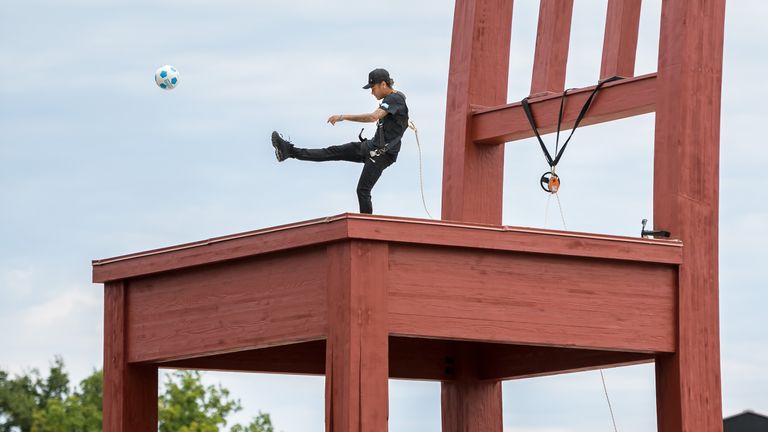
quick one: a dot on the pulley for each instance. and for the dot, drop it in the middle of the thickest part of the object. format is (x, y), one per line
(550, 182)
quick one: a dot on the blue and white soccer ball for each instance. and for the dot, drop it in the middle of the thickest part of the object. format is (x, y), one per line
(167, 77)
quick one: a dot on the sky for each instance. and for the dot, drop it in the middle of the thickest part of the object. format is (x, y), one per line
(96, 161)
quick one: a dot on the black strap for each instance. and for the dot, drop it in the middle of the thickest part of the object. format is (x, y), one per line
(382, 143)
(579, 118)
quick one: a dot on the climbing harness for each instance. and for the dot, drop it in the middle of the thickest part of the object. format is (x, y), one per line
(550, 181)
(383, 149)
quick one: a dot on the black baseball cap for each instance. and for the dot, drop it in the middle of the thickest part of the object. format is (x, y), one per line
(376, 76)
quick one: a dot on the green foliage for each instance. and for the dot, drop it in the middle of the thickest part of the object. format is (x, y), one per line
(187, 405)
(30, 403)
(79, 411)
(261, 423)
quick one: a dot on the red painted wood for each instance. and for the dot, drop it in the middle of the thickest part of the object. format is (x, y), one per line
(130, 391)
(219, 249)
(527, 299)
(421, 359)
(479, 68)
(616, 100)
(470, 404)
(307, 358)
(686, 175)
(430, 359)
(620, 40)
(357, 354)
(393, 229)
(232, 306)
(517, 239)
(552, 40)
(500, 361)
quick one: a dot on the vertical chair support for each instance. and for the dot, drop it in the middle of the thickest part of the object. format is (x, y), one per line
(472, 174)
(686, 177)
(470, 404)
(130, 391)
(357, 374)
(622, 23)
(552, 43)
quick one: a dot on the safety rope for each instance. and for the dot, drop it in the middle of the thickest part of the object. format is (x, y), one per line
(602, 376)
(412, 126)
(608, 399)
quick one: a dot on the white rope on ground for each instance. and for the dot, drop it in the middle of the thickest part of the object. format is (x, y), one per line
(412, 126)
(602, 376)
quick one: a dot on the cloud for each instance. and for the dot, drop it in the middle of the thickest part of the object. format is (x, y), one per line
(16, 282)
(60, 309)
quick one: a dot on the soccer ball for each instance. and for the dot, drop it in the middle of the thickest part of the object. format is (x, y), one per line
(167, 77)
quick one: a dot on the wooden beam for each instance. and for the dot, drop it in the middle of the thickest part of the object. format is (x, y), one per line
(686, 200)
(229, 306)
(356, 397)
(620, 40)
(273, 239)
(422, 359)
(130, 390)
(616, 100)
(516, 239)
(307, 358)
(506, 362)
(552, 40)
(479, 68)
(470, 404)
(523, 299)
(385, 228)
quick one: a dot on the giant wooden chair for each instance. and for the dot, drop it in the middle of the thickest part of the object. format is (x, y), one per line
(463, 300)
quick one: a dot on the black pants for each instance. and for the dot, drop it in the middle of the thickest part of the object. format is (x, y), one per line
(353, 152)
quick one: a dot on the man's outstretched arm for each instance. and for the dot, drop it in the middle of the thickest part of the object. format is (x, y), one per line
(360, 118)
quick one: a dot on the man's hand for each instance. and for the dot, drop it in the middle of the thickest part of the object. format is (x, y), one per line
(335, 118)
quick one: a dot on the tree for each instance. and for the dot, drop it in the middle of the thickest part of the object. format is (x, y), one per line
(79, 411)
(29, 403)
(25, 395)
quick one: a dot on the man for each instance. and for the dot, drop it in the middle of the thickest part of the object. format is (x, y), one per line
(377, 153)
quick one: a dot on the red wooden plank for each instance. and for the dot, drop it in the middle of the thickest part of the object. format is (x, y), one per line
(357, 354)
(686, 196)
(552, 39)
(514, 361)
(218, 249)
(306, 358)
(516, 239)
(421, 359)
(396, 229)
(616, 100)
(232, 306)
(527, 299)
(470, 404)
(620, 40)
(130, 391)
(479, 68)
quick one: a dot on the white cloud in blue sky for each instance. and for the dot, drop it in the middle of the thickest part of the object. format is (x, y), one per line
(95, 161)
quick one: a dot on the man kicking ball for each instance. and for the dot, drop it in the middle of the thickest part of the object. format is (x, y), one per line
(377, 153)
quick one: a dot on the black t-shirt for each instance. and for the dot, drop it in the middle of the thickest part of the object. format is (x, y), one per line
(393, 125)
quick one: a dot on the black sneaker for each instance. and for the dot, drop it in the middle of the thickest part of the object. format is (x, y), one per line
(282, 147)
